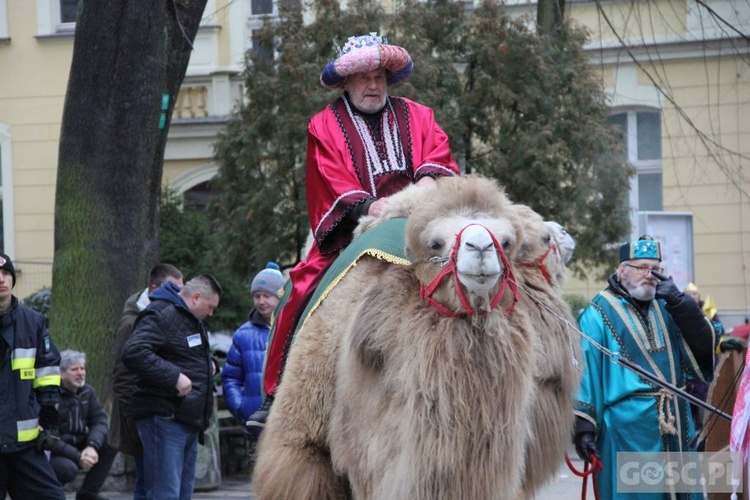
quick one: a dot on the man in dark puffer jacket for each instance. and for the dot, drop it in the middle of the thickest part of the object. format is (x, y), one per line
(173, 402)
(83, 430)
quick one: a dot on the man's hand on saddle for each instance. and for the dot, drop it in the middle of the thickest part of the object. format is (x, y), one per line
(377, 207)
(426, 181)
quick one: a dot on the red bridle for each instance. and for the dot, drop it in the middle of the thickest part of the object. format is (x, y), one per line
(540, 263)
(507, 280)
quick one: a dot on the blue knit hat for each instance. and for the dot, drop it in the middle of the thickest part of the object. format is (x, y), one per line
(269, 280)
(645, 248)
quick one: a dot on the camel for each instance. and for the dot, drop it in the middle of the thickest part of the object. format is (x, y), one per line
(545, 249)
(414, 380)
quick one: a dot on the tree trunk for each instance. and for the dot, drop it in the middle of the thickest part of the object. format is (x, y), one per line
(129, 60)
(549, 16)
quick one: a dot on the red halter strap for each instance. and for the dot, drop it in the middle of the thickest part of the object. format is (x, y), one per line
(540, 263)
(596, 465)
(507, 280)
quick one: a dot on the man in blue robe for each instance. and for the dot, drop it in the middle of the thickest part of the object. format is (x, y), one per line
(641, 316)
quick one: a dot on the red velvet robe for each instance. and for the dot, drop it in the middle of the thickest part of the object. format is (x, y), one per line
(347, 166)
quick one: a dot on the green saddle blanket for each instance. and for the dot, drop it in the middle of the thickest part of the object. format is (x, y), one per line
(384, 242)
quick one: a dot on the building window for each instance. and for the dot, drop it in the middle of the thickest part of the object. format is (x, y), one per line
(265, 53)
(68, 11)
(199, 196)
(261, 7)
(641, 130)
(56, 17)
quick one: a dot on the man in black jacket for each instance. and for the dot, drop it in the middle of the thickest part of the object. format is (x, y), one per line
(123, 433)
(83, 430)
(29, 393)
(173, 402)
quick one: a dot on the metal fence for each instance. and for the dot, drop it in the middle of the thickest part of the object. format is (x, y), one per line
(31, 276)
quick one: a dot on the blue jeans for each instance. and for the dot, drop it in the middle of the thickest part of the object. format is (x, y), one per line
(169, 453)
(139, 493)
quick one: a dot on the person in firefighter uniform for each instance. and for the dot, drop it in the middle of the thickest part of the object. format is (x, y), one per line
(29, 393)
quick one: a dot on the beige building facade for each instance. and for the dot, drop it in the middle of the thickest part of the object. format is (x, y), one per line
(676, 72)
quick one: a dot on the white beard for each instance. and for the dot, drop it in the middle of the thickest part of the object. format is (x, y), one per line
(644, 290)
(644, 293)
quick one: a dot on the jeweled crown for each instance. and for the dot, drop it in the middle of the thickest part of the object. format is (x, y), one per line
(357, 42)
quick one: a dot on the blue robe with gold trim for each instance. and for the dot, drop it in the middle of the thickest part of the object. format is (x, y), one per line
(625, 408)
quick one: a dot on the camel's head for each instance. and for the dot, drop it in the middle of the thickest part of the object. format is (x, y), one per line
(541, 249)
(565, 241)
(460, 241)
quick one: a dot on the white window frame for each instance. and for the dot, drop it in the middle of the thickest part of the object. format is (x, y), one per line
(6, 158)
(48, 19)
(641, 166)
(255, 21)
(3, 19)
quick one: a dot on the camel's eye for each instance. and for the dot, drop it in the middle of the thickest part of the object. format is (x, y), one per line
(547, 239)
(506, 244)
(436, 245)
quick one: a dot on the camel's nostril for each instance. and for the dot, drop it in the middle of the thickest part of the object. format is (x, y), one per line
(480, 248)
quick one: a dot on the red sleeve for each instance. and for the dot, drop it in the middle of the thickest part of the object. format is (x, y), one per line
(432, 152)
(333, 187)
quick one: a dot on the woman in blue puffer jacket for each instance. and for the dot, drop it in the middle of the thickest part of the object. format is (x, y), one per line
(242, 376)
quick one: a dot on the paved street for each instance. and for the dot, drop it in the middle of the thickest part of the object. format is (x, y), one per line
(566, 486)
(233, 487)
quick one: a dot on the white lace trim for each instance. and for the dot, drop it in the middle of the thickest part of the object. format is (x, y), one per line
(395, 159)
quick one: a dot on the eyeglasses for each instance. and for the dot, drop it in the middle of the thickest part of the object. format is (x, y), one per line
(644, 270)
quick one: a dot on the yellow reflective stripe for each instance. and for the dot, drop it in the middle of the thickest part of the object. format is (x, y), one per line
(21, 363)
(30, 435)
(45, 381)
(28, 430)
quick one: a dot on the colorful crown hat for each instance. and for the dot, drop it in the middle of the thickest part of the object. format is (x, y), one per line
(361, 54)
(645, 248)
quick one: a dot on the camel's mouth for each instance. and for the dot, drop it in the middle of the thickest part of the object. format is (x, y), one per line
(481, 278)
(479, 284)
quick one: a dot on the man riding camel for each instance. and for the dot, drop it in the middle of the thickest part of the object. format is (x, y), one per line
(362, 148)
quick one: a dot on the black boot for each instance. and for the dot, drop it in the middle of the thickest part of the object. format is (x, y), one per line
(257, 420)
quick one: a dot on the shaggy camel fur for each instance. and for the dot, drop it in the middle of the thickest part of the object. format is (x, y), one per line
(384, 397)
(540, 274)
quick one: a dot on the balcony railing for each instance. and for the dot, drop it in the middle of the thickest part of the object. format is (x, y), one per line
(208, 97)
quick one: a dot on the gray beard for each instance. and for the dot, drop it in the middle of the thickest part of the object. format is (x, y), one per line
(642, 293)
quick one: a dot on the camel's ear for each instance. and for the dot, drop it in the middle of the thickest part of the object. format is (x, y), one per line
(564, 240)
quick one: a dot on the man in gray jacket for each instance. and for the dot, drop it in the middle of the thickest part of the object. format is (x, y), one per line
(169, 353)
